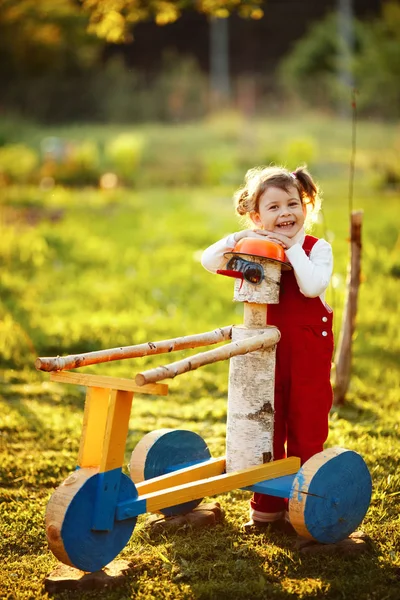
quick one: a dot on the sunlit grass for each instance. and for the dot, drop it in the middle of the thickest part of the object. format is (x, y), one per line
(89, 269)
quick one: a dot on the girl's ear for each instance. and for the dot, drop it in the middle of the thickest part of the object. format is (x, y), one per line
(255, 217)
(304, 209)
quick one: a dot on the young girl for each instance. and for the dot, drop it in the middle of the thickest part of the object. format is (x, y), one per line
(277, 203)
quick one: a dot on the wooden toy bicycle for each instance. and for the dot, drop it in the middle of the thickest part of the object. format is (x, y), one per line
(92, 514)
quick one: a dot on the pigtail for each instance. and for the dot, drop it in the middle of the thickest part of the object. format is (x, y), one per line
(308, 189)
(241, 200)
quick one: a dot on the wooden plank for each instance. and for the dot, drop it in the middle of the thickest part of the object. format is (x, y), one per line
(94, 427)
(210, 468)
(155, 501)
(119, 411)
(279, 487)
(113, 383)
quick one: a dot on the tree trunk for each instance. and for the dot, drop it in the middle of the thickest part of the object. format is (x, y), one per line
(250, 415)
(343, 354)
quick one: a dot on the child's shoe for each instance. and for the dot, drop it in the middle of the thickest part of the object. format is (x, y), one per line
(261, 521)
(281, 524)
(256, 526)
(284, 526)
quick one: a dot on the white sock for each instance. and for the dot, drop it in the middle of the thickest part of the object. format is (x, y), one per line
(265, 517)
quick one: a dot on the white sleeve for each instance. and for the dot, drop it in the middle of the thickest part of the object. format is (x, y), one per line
(213, 257)
(312, 273)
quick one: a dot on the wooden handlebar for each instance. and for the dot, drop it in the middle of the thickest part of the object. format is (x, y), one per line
(74, 361)
(257, 342)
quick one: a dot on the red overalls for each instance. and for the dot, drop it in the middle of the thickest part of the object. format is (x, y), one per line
(303, 392)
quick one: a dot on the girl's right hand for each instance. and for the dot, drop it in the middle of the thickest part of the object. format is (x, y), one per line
(253, 233)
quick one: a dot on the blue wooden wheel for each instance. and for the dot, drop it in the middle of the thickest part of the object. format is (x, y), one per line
(330, 495)
(71, 537)
(164, 451)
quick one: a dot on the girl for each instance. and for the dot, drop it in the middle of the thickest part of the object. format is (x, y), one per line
(277, 203)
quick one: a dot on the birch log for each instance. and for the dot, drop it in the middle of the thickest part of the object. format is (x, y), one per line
(250, 419)
(74, 361)
(343, 356)
(254, 315)
(267, 292)
(265, 339)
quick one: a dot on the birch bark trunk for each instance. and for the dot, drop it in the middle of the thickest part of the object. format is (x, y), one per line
(250, 419)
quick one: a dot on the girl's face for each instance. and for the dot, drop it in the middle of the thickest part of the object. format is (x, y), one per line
(280, 211)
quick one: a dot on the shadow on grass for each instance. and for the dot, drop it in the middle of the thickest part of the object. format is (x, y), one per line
(223, 562)
(213, 562)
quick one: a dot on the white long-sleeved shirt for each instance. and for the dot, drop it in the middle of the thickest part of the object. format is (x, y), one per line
(312, 272)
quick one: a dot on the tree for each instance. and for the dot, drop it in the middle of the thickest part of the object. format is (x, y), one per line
(43, 36)
(114, 20)
(310, 71)
(377, 66)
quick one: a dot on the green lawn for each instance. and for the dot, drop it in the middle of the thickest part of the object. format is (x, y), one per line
(86, 269)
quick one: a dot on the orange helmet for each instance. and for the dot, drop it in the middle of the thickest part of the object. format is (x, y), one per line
(262, 248)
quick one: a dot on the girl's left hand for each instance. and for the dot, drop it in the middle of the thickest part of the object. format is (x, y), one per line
(280, 239)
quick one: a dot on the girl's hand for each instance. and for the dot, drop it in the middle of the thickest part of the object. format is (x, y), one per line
(253, 233)
(280, 239)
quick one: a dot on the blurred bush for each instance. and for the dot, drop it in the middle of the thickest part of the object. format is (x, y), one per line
(386, 168)
(13, 128)
(17, 163)
(71, 163)
(309, 74)
(219, 167)
(377, 64)
(123, 154)
(180, 91)
(300, 151)
(111, 93)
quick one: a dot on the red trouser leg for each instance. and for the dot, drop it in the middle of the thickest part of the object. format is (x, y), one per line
(311, 392)
(303, 398)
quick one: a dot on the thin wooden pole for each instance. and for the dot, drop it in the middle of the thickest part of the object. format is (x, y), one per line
(74, 361)
(343, 356)
(254, 315)
(257, 342)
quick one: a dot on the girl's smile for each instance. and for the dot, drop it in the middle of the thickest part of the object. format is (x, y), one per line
(280, 211)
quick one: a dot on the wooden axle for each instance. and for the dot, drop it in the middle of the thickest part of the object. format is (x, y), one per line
(74, 361)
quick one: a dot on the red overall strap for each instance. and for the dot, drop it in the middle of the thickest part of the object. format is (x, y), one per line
(294, 308)
(309, 243)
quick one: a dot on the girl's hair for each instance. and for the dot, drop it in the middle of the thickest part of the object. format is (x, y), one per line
(257, 180)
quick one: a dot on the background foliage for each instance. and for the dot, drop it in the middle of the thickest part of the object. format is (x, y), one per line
(309, 73)
(114, 21)
(87, 264)
(102, 230)
(65, 50)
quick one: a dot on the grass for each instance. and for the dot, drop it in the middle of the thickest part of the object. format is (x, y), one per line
(86, 269)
